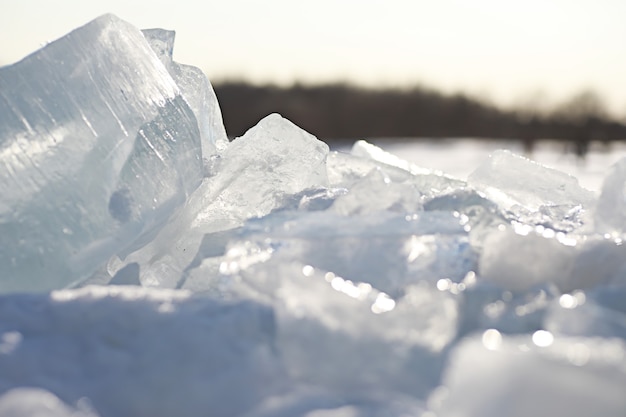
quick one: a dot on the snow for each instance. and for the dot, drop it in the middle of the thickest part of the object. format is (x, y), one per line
(152, 268)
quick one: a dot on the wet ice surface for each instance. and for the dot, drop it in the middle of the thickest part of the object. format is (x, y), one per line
(270, 276)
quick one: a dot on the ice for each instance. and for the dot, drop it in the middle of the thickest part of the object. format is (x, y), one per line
(36, 402)
(610, 212)
(257, 173)
(166, 271)
(385, 250)
(271, 161)
(127, 349)
(579, 314)
(569, 262)
(195, 88)
(363, 196)
(366, 150)
(97, 150)
(429, 183)
(330, 328)
(511, 180)
(538, 375)
(315, 402)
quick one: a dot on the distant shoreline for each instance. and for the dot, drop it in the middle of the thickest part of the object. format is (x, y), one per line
(341, 113)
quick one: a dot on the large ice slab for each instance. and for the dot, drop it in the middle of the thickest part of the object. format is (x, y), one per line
(330, 328)
(539, 375)
(140, 352)
(97, 149)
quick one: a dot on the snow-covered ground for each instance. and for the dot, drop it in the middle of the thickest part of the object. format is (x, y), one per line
(151, 268)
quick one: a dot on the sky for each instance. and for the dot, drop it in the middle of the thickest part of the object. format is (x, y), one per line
(529, 53)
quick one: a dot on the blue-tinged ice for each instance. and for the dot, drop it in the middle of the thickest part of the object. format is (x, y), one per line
(493, 374)
(133, 351)
(195, 88)
(513, 180)
(97, 149)
(294, 281)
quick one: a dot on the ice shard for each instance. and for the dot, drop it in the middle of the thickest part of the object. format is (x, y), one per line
(195, 88)
(511, 180)
(97, 149)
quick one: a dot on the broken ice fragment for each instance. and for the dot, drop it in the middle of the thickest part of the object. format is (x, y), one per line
(573, 316)
(377, 192)
(330, 328)
(426, 181)
(518, 258)
(542, 375)
(385, 250)
(195, 88)
(345, 169)
(367, 150)
(610, 212)
(271, 161)
(510, 179)
(97, 150)
(258, 172)
(37, 402)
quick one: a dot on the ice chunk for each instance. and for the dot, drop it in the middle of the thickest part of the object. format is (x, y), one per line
(364, 149)
(377, 192)
(97, 150)
(257, 173)
(195, 88)
(517, 261)
(492, 375)
(311, 401)
(345, 169)
(385, 250)
(140, 352)
(273, 160)
(36, 402)
(610, 212)
(488, 307)
(575, 315)
(331, 329)
(428, 182)
(520, 257)
(510, 179)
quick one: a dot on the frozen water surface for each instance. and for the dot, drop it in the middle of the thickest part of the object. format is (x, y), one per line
(150, 267)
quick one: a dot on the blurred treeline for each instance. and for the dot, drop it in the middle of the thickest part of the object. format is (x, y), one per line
(341, 111)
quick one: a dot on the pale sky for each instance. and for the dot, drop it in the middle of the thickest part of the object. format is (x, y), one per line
(507, 51)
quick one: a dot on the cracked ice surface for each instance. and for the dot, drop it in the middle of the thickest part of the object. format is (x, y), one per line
(163, 270)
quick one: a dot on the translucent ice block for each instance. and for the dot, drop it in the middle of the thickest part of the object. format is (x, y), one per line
(195, 88)
(97, 149)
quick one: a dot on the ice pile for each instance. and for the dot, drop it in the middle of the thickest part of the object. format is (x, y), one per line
(152, 268)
